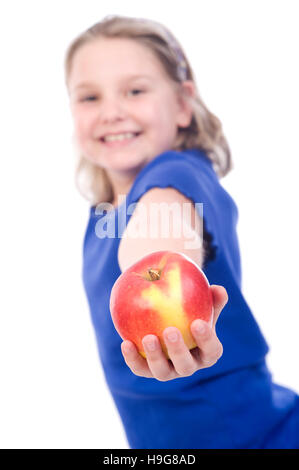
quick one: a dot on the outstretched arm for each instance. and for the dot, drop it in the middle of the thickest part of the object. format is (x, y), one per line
(183, 362)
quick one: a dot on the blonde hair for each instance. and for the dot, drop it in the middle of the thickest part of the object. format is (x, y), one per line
(205, 129)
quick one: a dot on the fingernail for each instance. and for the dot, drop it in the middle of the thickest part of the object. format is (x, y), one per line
(150, 345)
(200, 328)
(172, 336)
(126, 348)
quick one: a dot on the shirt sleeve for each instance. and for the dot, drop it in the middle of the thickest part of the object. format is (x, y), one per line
(191, 176)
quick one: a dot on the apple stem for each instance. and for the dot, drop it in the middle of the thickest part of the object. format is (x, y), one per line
(154, 274)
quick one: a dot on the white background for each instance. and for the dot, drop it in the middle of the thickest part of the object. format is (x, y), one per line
(245, 56)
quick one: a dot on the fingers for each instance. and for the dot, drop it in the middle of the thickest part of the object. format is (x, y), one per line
(183, 362)
(134, 360)
(156, 359)
(210, 348)
(156, 364)
(220, 299)
(181, 358)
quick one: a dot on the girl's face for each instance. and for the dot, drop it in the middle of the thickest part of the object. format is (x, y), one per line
(119, 88)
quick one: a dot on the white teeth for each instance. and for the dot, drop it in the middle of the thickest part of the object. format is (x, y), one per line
(111, 138)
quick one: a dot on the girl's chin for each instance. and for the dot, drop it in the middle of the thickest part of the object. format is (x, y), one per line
(121, 162)
(124, 169)
(122, 166)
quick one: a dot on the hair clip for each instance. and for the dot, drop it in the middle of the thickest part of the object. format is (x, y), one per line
(168, 36)
(182, 66)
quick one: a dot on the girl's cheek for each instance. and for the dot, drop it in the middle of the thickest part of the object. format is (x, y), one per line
(82, 123)
(148, 111)
(79, 128)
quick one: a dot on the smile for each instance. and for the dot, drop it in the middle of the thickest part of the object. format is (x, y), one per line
(119, 138)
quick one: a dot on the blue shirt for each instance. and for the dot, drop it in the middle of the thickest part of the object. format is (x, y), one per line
(206, 409)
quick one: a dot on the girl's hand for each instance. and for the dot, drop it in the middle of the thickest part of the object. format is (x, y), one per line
(184, 362)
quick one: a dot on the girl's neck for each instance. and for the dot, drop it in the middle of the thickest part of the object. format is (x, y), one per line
(121, 184)
(120, 188)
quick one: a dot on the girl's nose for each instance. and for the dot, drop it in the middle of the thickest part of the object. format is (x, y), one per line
(111, 109)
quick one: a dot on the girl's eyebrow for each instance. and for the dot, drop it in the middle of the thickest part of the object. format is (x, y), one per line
(129, 77)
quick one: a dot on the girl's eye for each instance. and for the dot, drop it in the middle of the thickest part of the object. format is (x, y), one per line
(89, 98)
(136, 91)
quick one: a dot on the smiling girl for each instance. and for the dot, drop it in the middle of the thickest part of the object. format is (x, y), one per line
(143, 132)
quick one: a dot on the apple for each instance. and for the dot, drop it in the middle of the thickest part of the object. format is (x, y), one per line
(162, 289)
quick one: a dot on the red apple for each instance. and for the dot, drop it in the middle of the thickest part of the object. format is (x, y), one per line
(162, 289)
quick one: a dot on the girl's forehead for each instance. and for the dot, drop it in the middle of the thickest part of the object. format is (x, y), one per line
(116, 54)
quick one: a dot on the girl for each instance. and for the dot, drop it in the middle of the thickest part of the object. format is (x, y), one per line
(145, 137)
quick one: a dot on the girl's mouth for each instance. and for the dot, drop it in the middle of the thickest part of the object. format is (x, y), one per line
(119, 139)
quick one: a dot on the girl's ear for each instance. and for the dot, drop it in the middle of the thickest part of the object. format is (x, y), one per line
(187, 91)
